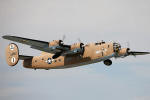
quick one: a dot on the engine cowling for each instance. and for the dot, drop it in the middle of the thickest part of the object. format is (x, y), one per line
(123, 52)
(77, 46)
(56, 42)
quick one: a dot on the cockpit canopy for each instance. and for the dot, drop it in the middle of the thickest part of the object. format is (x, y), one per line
(99, 43)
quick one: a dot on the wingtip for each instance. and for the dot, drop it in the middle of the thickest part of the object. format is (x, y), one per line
(147, 52)
(5, 36)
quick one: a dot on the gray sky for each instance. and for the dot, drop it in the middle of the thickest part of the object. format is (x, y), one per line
(91, 20)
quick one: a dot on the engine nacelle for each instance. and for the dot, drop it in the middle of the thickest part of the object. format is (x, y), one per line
(77, 46)
(56, 42)
(123, 52)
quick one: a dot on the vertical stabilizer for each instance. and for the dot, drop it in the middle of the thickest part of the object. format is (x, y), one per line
(12, 54)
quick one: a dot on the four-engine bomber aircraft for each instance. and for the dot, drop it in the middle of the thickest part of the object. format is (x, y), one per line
(57, 55)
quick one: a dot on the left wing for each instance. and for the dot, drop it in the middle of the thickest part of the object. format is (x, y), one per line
(57, 48)
(37, 44)
(134, 53)
(26, 41)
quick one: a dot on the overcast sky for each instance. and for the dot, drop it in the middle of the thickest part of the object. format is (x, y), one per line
(91, 21)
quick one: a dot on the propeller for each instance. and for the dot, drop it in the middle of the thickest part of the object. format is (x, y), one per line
(128, 44)
(82, 44)
(64, 37)
(79, 40)
(61, 40)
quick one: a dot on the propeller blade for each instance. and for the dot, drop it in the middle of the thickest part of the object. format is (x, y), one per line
(64, 37)
(79, 40)
(128, 44)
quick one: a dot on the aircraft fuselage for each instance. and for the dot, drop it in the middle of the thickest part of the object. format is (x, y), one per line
(93, 52)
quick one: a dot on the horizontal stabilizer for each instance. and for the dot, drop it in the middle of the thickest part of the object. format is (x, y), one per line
(12, 55)
(24, 57)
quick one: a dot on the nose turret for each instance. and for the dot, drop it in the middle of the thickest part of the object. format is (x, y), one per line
(116, 47)
(120, 52)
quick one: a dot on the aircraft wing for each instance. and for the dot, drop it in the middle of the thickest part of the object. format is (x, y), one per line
(39, 45)
(57, 50)
(135, 53)
(26, 41)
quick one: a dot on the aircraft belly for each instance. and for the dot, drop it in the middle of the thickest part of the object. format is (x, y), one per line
(85, 63)
(45, 62)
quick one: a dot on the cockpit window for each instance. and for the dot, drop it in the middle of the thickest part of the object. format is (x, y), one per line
(99, 43)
